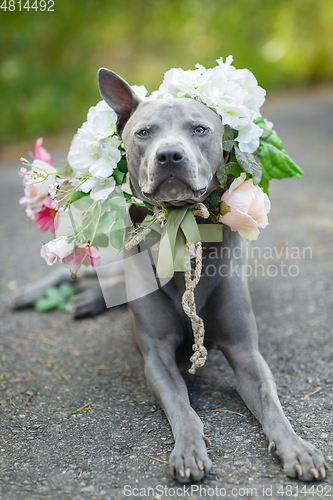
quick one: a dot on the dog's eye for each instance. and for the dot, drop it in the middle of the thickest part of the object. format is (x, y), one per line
(199, 129)
(143, 133)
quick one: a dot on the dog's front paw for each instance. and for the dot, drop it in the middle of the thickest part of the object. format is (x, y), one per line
(189, 461)
(300, 459)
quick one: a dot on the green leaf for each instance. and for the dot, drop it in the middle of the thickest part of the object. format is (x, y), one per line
(118, 176)
(268, 134)
(249, 163)
(228, 140)
(122, 166)
(151, 235)
(83, 203)
(87, 234)
(66, 290)
(118, 203)
(274, 159)
(149, 206)
(120, 172)
(224, 171)
(107, 220)
(55, 297)
(127, 196)
(237, 170)
(100, 240)
(78, 195)
(212, 201)
(262, 124)
(117, 234)
(274, 140)
(275, 162)
(264, 184)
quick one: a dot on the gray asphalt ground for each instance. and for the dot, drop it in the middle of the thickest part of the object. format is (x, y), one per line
(52, 366)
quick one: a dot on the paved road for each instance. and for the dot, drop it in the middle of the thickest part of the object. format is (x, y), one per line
(51, 366)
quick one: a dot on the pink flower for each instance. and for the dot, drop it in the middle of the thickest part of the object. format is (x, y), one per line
(56, 250)
(22, 171)
(37, 189)
(47, 217)
(91, 254)
(49, 256)
(93, 257)
(249, 206)
(41, 153)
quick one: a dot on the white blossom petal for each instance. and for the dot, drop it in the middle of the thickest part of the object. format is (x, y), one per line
(95, 147)
(234, 94)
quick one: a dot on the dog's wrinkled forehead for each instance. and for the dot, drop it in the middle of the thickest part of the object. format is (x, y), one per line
(171, 114)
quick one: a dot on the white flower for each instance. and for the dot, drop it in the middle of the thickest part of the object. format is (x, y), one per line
(95, 149)
(109, 157)
(99, 189)
(53, 190)
(180, 83)
(22, 171)
(140, 91)
(234, 95)
(79, 158)
(248, 138)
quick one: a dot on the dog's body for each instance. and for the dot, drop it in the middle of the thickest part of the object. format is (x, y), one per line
(174, 148)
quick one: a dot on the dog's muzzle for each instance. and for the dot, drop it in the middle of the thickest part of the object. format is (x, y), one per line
(171, 184)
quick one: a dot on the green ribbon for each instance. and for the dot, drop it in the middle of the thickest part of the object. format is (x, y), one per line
(180, 228)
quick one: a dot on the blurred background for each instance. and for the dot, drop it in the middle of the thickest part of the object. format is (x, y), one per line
(49, 60)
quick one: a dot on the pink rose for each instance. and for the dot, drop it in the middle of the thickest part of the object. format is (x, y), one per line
(249, 206)
(91, 254)
(56, 250)
(41, 153)
(49, 256)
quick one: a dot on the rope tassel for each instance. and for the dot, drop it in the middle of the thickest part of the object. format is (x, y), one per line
(199, 357)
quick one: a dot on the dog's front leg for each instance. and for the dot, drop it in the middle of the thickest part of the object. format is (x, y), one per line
(256, 385)
(158, 341)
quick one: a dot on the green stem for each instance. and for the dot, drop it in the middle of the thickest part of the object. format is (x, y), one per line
(84, 258)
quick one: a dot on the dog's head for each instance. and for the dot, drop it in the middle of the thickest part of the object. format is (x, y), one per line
(173, 146)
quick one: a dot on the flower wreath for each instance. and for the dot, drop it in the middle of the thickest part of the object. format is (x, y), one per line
(84, 204)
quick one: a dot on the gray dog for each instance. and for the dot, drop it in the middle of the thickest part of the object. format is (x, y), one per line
(174, 148)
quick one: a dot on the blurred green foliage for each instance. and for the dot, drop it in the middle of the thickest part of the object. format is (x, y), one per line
(49, 60)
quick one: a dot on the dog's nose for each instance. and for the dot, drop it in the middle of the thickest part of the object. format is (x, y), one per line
(169, 157)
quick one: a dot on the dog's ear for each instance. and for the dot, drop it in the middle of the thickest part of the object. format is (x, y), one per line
(119, 96)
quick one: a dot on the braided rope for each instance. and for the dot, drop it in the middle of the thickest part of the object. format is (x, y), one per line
(137, 238)
(200, 210)
(199, 356)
